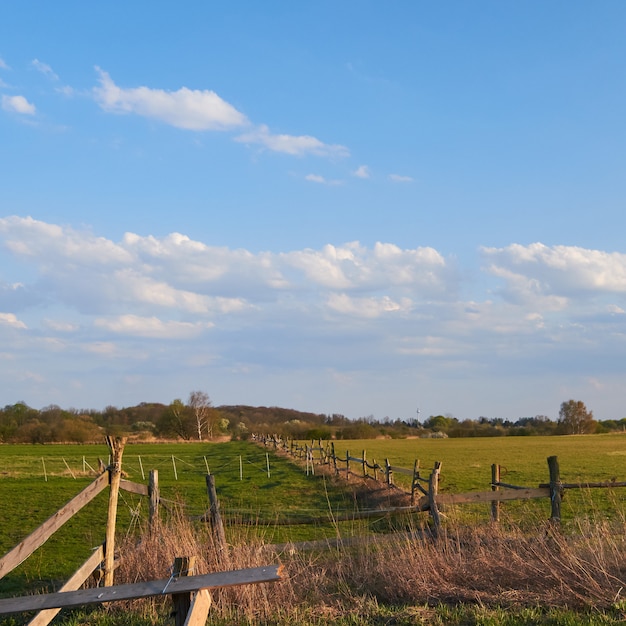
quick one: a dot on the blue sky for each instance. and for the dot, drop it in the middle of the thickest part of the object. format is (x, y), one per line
(344, 207)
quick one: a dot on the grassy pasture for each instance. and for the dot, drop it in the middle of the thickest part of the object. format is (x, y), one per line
(28, 499)
(466, 465)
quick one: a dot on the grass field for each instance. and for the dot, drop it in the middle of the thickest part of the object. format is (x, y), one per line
(243, 485)
(246, 490)
(466, 465)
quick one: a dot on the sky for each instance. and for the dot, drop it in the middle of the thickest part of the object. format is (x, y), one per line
(389, 209)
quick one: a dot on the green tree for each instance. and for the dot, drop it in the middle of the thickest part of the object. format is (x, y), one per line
(575, 419)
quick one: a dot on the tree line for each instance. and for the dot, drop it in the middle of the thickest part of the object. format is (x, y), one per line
(196, 419)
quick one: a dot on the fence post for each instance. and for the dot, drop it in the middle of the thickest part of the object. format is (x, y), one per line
(495, 504)
(183, 566)
(116, 446)
(334, 457)
(433, 490)
(153, 495)
(364, 465)
(388, 472)
(416, 477)
(556, 490)
(216, 519)
(347, 464)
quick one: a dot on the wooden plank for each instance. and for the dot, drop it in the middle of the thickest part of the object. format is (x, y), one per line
(401, 470)
(43, 618)
(138, 488)
(39, 536)
(68, 599)
(489, 496)
(199, 609)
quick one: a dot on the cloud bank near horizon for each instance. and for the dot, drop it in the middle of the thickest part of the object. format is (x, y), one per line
(69, 294)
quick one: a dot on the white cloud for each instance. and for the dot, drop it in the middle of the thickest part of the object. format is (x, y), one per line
(9, 319)
(3, 65)
(397, 178)
(44, 68)
(152, 327)
(316, 178)
(185, 108)
(371, 307)
(362, 172)
(60, 326)
(558, 272)
(18, 104)
(297, 145)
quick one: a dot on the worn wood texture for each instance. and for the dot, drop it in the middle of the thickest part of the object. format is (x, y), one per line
(199, 609)
(116, 444)
(217, 525)
(433, 489)
(43, 618)
(132, 591)
(39, 536)
(495, 504)
(556, 490)
(183, 566)
(153, 495)
(131, 487)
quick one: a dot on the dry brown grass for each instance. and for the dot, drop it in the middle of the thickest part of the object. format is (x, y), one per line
(488, 565)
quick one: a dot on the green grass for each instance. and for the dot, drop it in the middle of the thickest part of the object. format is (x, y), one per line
(29, 499)
(466, 466)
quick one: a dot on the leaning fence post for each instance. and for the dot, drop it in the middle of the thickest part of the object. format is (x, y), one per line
(153, 495)
(216, 518)
(556, 490)
(433, 490)
(116, 446)
(495, 504)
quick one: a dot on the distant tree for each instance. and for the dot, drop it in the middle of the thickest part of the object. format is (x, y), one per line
(177, 420)
(575, 419)
(200, 404)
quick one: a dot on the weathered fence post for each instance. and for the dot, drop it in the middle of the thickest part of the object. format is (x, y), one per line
(153, 495)
(216, 518)
(347, 464)
(433, 490)
(556, 490)
(334, 458)
(116, 446)
(364, 465)
(183, 566)
(415, 481)
(495, 504)
(388, 472)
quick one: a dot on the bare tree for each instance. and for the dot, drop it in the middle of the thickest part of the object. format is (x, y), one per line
(200, 403)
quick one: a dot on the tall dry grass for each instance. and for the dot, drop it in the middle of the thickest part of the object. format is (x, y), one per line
(489, 565)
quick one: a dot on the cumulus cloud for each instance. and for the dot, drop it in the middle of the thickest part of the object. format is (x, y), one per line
(9, 319)
(320, 180)
(185, 108)
(18, 104)
(397, 178)
(297, 145)
(362, 172)
(345, 307)
(556, 273)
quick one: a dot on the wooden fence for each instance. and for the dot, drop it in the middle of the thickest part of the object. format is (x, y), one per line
(189, 610)
(428, 487)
